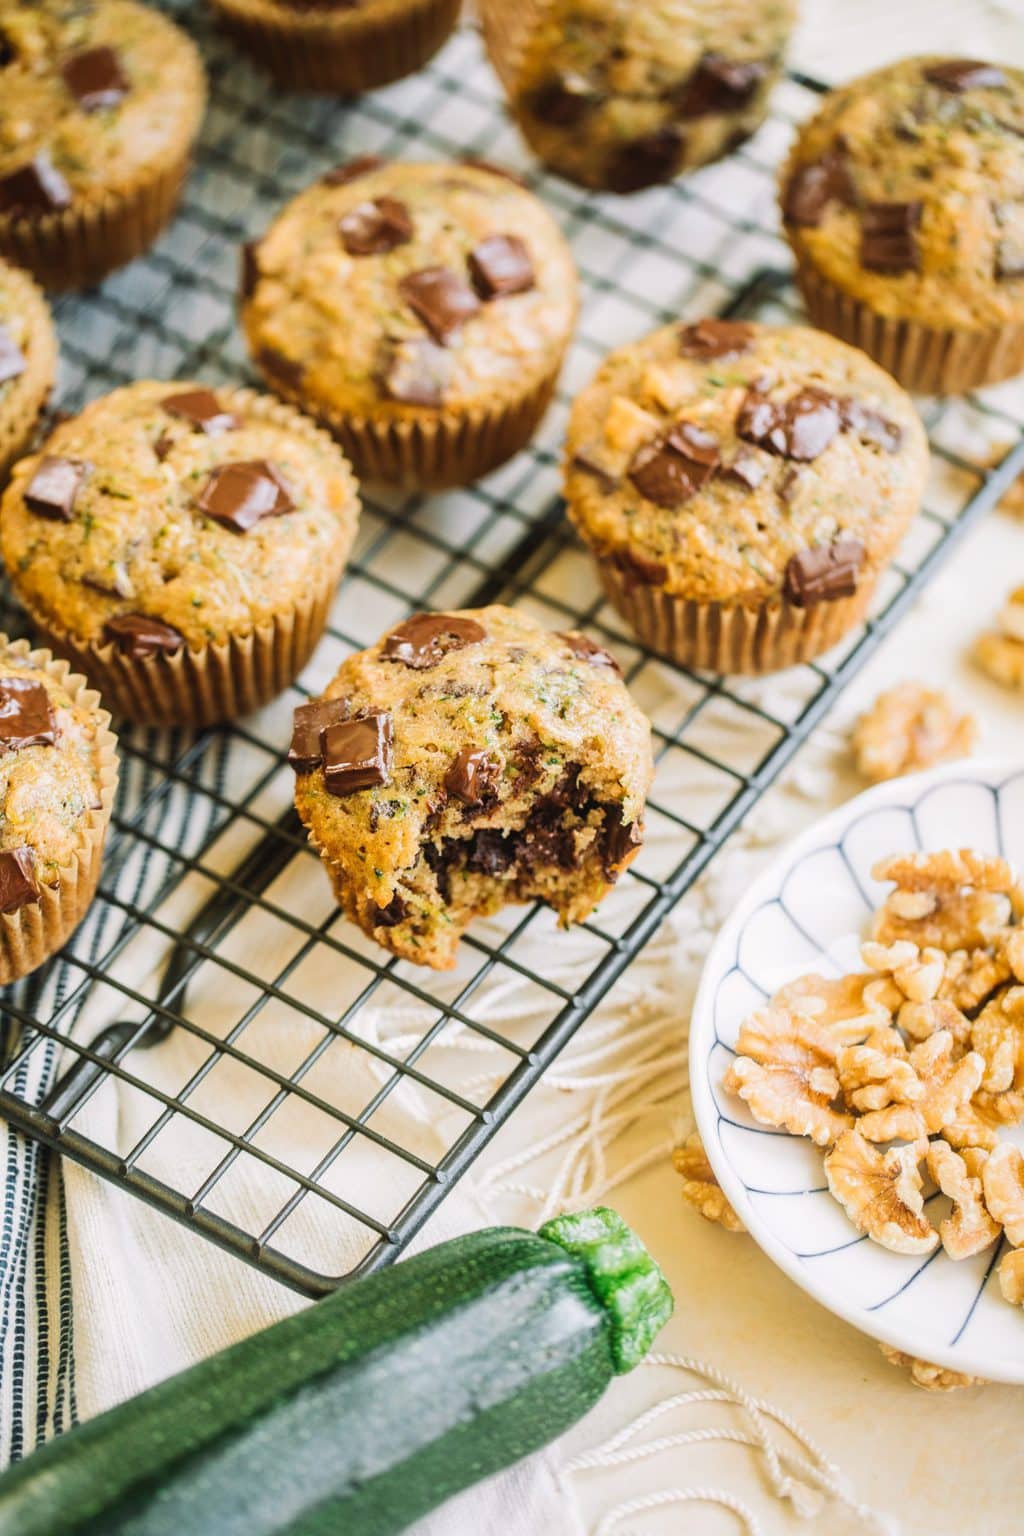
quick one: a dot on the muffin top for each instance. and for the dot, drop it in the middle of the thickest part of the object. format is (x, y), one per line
(725, 462)
(397, 288)
(907, 190)
(92, 97)
(169, 514)
(28, 345)
(464, 718)
(49, 774)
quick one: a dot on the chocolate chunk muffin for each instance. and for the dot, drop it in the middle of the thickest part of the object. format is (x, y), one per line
(58, 774)
(465, 761)
(182, 546)
(742, 487)
(28, 362)
(421, 312)
(903, 200)
(616, 95)
(99, 107)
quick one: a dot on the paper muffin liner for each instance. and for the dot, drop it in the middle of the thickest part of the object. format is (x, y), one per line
(20, 411)
(31, 934)
(924, 359)
(342, 52)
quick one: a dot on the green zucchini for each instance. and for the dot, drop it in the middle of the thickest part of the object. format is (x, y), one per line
(358, 1415)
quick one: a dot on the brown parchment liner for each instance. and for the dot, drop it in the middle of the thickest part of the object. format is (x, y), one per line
(29, 392)
(221, 680)
(33, 933)
(925, 360)
(342, 52)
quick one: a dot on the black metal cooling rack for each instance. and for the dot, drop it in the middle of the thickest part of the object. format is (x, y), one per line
(215, 993)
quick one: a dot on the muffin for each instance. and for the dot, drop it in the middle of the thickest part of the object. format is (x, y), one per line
(58, 774)
(903, 201)
(466, 761)
(420, 312)
(28, 362)
(742, 487)
(339, 46)
(181, 546)
(619, 96)
(99, 107)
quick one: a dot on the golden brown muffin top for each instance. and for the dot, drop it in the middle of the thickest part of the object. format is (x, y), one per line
(28, 347)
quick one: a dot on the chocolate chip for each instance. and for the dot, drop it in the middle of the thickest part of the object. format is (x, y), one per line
(53, 489)
(720, 85)
(588, 650)
(18, 885)
(440, 298)
(476, 164)
(639, 568)
(747, 468)
(341, 175)
(870, 425)
(491, 852)
(373, 228)
(241, 493)
(202, 410)
(357, 754)
(822, 574)
(500, 265)
(564, 101)
(26, 714)
(802, 428)
(587, 466)
(12, 359)
(425, 638)
(619, 840)
(417, 372)
(284, 371)
(137, 635)
(889, 237)
(394, 913)
(308, 721)
(163, 445)
(674, 467)
(708, 340)
(964, 75)
(812, 187)
(472, 776)
(95, 78)
(648, 160)
(250, 265)
(36, 187)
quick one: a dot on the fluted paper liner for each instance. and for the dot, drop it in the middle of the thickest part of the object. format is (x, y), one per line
(31, 934)
(343, 52)
(29, 392)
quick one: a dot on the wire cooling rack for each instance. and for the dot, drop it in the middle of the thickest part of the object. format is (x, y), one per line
(215, 999)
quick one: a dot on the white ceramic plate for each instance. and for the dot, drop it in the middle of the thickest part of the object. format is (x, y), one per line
(808, 912)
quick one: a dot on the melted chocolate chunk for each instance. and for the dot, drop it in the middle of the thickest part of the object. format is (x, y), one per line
(95, 78)
(425, 638)
(241, 493)
(709, 340)
(608, 482)
(802, 428)
(619, 840)
(675, 467)
(357, 754)
(639, 568)
(871, 426)
(36, 187)
(588, 650)
(822, 574)
(889, 237)
(812, 187)
(26, 714)
(564, 101)
(500, 265)
(441, 299)
(18, 885)
(646, 161)
(472, 776)
(390, 916)
(373, 228)
(308, 723)
(417, 373)
(202, 410)
(282, 371)
(137, 635)
(12, 359)
(491, 852)
(959, 75)
(250, 267)
(721, 85)
(351, 170)
(747, 468)
(53, 489)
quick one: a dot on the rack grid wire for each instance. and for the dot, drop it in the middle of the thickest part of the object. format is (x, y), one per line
(213, 924)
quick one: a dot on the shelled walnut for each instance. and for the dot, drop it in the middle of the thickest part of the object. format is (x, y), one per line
(908, 728)
(700, 1187)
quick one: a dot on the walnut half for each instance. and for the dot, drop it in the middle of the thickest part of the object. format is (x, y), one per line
(908, 728)
(700, 1187)
(881, 1193)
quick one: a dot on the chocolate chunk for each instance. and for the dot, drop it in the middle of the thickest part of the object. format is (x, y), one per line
(812, 187)
(964, 75)
(790, 481)
(870, 425)
(889, 237)
(341, 175)
(500, 265)
(357, 754)
(308, 721)
(425, 638)
(646, 161)
(95, 78)
(720, 85)
(472, 776)
(250, 266)
(417, 373)
(373, 228)
(441, 299)
(53, 489)
(12, 359)
(390, 916)
(639, 568)
(202, 410)
(802, 428)
(708, 340)
(674, 467)
(824, 573)
(36, 187)
(26, 715)
(163, 445)
(241, 493)
(564, 101)
(747, 468)
(476, 164)
(137, 635)
(18, 885)
(619, 840)
(608, 482)
(490, 852)
(588, 650)
(282, 371)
